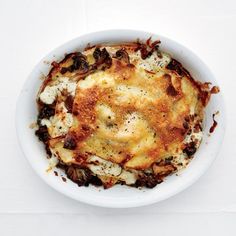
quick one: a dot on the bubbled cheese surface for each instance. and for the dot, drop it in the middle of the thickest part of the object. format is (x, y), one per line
(133, 121)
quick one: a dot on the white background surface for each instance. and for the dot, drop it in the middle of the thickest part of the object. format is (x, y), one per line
(29, 30)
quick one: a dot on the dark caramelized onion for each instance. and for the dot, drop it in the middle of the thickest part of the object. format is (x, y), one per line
(42, 133)
(69, 103)
(190, 149)
(79, 63)
(70, 142)
(102, 59)
(148, 180)
(45, 112)
(177, 67)
(123, 55)
(81, 176)
(214, 124)
(147, 49)
(171, 91)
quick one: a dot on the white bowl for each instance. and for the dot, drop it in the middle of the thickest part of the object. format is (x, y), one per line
(119, 196)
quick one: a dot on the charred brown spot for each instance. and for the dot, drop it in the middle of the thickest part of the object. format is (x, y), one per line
(102, 59)
(79, 57)
(126, 159)
(187, 118)
(63, 70)
(167, 76)
(186, 125)
(85, 127)
(69, 103)
(204, 96)
(215, 89)
(155, 44)
(171, 91)
(144, 52)
(55, 64)
(81, 176)
(76, 113)
(97, 54)
(48, 151)
(123, 55)
(81, 158)
(176, 66)
(130, 65)
(45, 113)
(148, 181)
(42, 133)
(147, 49)
(168, 160)
(150, 72)
(70, 142)
(95, 181)
(214, 124)
(80, 64)
(190, 149)
(163, 168)
(63, 178)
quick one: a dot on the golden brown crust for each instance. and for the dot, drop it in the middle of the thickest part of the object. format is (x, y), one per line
(125, 112)
(158, 114)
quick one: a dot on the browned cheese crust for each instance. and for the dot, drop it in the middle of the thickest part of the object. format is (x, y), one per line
(123, 112)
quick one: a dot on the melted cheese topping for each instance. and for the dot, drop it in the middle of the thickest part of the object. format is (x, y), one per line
(136, 121)
(152, 63)
(50, 92)
(102, 167)
(125, 118)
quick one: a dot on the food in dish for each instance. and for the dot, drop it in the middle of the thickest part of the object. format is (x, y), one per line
(121, 114)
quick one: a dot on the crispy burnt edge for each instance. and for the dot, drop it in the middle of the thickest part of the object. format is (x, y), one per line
(205, 93)
(191, 125)
(82, 176)
(45, 112)
(146, 49)
(203, 88)
(156, 174)
(214, 124)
